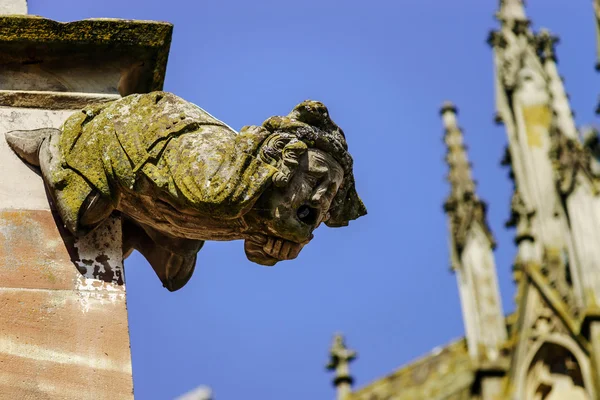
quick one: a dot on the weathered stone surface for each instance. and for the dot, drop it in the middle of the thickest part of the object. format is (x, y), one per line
(32, 252)
(445, 373)
(180, 177)
(63, 334)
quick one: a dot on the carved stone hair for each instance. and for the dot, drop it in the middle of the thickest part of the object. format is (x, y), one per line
(309, 126)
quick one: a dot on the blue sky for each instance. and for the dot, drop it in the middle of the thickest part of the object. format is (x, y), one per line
(383, 68)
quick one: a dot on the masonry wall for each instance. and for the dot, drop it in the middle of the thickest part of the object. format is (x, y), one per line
(63, 313)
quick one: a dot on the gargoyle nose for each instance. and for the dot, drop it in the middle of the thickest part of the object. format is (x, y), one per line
(318, 198)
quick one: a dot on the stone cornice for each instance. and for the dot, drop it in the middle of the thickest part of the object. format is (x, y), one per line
(27, 40)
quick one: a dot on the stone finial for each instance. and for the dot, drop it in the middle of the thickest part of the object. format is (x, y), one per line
(12, 7)
(512, 10)
(448, 106)
(545, 45)
(199, 393)
(339, 361)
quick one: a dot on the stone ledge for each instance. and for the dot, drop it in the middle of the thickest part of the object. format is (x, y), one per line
(37, 29)
(92, 55)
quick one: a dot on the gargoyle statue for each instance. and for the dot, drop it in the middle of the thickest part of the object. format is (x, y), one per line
(178, 177)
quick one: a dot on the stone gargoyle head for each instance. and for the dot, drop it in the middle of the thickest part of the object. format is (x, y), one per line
(179, 177)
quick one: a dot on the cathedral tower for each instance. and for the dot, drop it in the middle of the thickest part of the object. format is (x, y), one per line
(549, 348)
(552, 209)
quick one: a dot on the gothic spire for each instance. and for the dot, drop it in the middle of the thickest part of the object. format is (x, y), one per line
(339, 361)
(471, 251)
(462, 205)
(459, 175)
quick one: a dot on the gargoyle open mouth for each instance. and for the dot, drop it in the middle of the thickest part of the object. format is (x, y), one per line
(268, 250)
(307, 215)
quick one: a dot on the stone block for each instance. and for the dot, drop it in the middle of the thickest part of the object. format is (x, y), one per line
(63, 344)
(63, 314)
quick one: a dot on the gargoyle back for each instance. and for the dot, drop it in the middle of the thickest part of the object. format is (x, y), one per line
(138, 127)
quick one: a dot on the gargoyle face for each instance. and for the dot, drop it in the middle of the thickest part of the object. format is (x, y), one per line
(287, 216)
